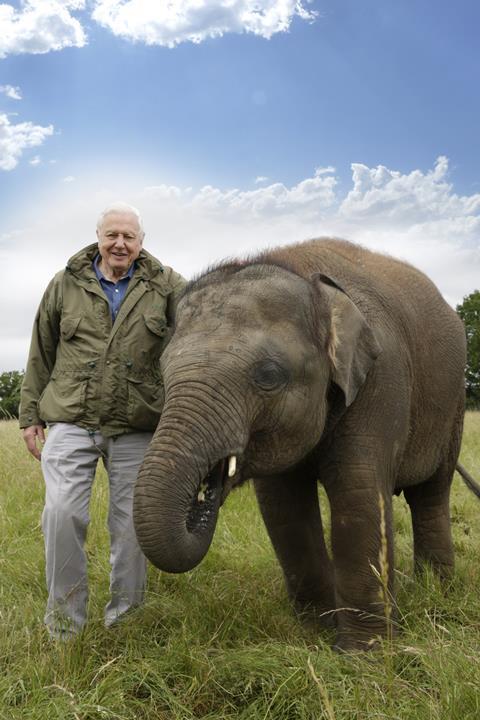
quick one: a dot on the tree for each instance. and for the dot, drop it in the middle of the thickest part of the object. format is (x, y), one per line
(469, 311)
(10, 383)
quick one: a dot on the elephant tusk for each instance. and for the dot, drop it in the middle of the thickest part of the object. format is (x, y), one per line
(232, 466)
(201, 493)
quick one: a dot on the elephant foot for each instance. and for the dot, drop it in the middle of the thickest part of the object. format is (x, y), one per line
(349, 646)
(315, 616)
(356, 640)
(443, 570)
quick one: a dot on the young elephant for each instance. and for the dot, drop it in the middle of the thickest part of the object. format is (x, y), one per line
(319, 361)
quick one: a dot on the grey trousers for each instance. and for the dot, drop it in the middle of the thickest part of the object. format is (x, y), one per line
(69, 461)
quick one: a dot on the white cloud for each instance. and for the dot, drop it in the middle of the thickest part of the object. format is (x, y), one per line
(189, 229)
(14, 139)
(325, 170)
(260, 179)
(388, 196)
(68, 179)
(11, 92)
(416, 216)
(171, 23)
(312, 196)
(40, 26)
(35, 160)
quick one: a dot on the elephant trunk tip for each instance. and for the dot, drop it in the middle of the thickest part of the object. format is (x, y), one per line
(175, 519)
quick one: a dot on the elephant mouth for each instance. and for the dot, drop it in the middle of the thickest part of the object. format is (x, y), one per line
(212, 492)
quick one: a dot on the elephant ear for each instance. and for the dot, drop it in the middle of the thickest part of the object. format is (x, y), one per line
(352, 346)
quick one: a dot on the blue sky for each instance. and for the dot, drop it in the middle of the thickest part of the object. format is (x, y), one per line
(282, 120)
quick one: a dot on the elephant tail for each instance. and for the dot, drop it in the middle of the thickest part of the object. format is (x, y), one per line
(468, 479)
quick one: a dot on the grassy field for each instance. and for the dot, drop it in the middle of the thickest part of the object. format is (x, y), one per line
(221, 642)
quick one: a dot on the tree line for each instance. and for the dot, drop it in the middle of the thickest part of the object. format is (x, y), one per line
(468, 310)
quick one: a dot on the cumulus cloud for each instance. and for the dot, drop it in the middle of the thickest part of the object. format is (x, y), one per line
(171, 23)
(416, 216)
(310, 197)
(40, 26)
(11, 92)
(388, 196)
(14, 139)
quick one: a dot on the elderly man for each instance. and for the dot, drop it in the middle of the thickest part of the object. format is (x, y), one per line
(93, 378)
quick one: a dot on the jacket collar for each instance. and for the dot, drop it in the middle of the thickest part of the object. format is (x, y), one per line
(81, 263)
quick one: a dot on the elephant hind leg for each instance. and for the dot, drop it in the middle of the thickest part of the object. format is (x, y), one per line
(430, 509)
(290, 510)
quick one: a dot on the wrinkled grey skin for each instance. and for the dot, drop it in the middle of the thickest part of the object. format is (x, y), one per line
(317, 362)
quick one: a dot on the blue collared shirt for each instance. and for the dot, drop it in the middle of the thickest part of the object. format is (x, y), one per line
(115, 292)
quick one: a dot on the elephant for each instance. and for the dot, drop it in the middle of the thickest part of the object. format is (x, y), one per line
(321, 361)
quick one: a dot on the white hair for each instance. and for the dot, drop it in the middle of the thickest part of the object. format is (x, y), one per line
(120, 207)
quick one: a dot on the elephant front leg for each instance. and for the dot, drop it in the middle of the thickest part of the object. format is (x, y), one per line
(291, 512)
(362, 546)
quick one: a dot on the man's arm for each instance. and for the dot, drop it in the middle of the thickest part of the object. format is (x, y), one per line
(41, 360)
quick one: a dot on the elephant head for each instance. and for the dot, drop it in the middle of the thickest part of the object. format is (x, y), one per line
(247, 373)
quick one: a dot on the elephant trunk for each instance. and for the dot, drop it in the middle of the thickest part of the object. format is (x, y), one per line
(180, 484)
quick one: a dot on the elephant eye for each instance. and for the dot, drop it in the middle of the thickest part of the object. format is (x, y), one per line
(269, 375)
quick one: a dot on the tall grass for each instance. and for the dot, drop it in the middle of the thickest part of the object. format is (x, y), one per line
(221, 641)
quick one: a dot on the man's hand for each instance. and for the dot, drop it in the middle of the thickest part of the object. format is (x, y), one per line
(31, 435)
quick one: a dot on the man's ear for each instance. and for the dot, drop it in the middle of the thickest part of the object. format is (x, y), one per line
(352, 346)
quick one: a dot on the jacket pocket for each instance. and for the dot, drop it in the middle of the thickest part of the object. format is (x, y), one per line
(156, 336)
(68, 326)
(145, 403)
(63, 399)
(156, 324)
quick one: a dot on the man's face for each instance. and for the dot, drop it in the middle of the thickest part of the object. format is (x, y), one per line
(119, 242)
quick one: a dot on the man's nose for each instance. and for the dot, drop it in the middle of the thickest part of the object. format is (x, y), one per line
(120, 240)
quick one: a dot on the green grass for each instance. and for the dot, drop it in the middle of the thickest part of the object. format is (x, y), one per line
(221, 642)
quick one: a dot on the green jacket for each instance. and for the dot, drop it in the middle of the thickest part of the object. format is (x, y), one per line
(86, 370)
